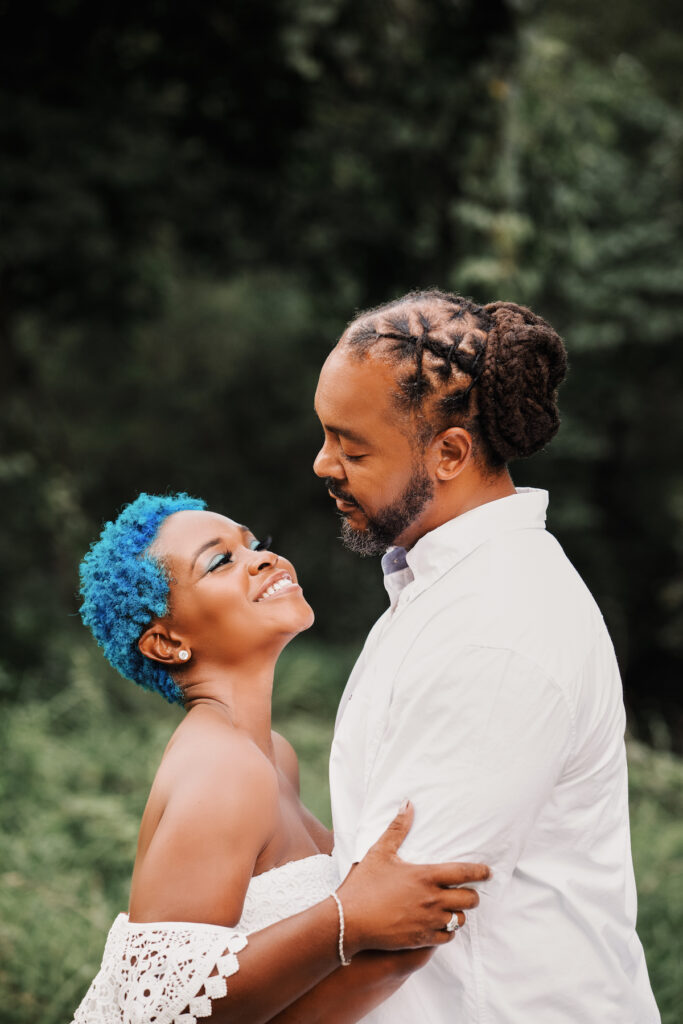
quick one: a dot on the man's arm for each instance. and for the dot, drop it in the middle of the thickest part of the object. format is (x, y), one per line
(477, 738)
(477, 741)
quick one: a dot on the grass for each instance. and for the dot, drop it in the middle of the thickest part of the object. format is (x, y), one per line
(76, 771)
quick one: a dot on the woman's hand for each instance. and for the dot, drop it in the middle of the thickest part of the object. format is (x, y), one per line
(391, 904)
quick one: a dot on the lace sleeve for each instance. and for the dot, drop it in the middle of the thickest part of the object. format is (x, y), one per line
(162, 973)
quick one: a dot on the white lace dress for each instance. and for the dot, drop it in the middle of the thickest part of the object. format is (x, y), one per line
(163, 973)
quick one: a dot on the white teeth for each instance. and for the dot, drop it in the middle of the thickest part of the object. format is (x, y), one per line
(286, 581)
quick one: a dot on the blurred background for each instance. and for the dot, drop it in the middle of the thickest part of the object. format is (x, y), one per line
(194, 200)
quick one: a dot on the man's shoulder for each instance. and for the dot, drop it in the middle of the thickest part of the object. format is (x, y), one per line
(519, 576)
(525, 598)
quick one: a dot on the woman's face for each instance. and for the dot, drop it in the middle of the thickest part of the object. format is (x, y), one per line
(228, 599)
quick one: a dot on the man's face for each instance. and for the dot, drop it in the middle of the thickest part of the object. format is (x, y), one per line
(371, 465)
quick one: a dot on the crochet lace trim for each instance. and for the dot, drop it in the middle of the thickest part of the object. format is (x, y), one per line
(161, 973)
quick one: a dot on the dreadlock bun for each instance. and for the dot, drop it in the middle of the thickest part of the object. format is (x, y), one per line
(524, 364)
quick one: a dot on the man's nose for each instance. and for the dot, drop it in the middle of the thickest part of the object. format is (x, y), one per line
(326, 464)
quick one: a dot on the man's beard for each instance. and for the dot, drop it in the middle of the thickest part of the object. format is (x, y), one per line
(389, 522)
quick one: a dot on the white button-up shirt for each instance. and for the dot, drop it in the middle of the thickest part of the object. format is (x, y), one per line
(489, 694)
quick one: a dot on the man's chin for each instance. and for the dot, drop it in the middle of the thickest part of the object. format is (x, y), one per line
(362, 540)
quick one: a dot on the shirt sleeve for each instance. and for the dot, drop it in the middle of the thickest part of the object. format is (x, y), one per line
(476, 739)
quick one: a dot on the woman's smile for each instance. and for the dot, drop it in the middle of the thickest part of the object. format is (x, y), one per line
(279, 584)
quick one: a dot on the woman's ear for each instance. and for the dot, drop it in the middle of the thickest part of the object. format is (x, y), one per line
(454, 451)
(161, 644)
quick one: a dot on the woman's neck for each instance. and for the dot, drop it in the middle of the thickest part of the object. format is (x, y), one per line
(243, 694)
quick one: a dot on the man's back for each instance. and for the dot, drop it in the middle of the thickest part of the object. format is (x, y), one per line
(489, 694)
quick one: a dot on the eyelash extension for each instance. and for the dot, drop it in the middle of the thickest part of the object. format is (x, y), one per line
(261, 545)
(226, 557)
(255, 545)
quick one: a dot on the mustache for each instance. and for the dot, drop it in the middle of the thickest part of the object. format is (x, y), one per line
(334, 488)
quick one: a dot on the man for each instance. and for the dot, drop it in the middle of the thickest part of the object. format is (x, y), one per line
(488, 692)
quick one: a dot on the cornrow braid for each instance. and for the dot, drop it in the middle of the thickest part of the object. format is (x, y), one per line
(495, 368)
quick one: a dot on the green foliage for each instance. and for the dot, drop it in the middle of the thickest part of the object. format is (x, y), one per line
(656, 788)
(73, 787)
(76, 771)
(188, 221)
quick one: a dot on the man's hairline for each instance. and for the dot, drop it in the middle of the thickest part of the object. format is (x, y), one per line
(414, 417)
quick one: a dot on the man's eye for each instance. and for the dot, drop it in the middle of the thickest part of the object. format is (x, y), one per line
(261, 545)
(223, 559)
(352, 458)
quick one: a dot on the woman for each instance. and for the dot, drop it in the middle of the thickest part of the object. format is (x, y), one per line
(233, 876)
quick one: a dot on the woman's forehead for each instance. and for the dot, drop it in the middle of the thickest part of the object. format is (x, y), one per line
(192, 527)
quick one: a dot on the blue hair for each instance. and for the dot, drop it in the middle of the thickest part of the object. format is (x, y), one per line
(124, 588)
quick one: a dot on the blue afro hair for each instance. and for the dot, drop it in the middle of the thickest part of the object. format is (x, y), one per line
(124, 588)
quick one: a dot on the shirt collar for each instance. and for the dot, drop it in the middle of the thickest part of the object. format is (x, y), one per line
(394, 561)
(442, 548)
(397, 573)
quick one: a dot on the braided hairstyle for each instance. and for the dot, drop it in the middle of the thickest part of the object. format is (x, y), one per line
(494, 369)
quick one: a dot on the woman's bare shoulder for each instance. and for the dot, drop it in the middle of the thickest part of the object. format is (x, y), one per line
(216, 797)
(207, 751)
(286, 759)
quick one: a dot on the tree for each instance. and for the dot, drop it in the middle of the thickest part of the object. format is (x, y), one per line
(190, 208)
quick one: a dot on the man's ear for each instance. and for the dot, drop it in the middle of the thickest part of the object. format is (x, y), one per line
(161, 644)
(453, 450)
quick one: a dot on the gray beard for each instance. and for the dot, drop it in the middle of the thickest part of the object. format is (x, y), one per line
(390, 522)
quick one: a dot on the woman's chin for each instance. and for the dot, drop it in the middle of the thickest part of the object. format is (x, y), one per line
(306, 618)
(311, 618)
(297, 618)
(293, 632)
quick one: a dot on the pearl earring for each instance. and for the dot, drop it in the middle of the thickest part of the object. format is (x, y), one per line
(183, 655)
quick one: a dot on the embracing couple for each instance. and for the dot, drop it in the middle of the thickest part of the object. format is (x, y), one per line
(479, 870)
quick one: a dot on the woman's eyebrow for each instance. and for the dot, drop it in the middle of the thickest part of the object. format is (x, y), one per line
(212, 543)
(204, 547)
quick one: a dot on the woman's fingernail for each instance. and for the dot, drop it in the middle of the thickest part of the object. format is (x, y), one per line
(404, 806)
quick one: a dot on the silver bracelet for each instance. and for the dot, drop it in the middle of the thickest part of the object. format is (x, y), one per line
(344, 961)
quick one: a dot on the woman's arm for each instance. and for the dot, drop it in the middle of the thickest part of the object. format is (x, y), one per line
(199, 862)
(349, 994)
(290, 971)
(279, 965)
